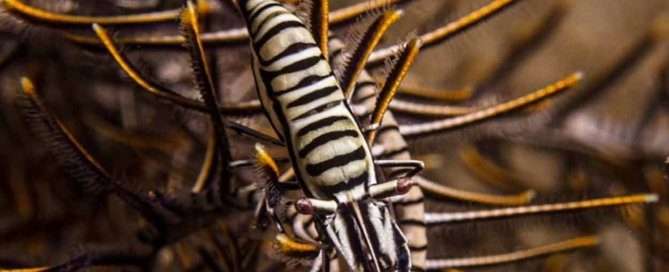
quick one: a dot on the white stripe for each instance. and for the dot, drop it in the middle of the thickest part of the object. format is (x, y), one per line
(309, 137)
(287, 37)
(288, 80)
(332, 149)
(293, 58)
(297, 93)
(251, 4)
(274, 21)
(261, 16)
(297, 111)
(336, 175)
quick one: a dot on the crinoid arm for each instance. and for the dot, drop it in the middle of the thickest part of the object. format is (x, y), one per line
(448, 31)
(443, 95)
(67, 19)
(395, 77)
(70, 153)
(319, 24)
(162, 92)
(190, 23)
(442, 218)
(554, 248)
(492, 111)
(76, 160)
(172, 96)
(440, 191)
(208, 169)
(217, 38)
(362, 50)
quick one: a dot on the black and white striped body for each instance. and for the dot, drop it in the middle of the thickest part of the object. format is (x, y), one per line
(332, 160)
(409, 209)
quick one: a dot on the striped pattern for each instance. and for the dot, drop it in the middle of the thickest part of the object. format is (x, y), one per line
(306, 107)
(390, 144)
(305, 104)
(410, 209)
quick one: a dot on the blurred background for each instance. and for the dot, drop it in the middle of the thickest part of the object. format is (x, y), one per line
(607, 137)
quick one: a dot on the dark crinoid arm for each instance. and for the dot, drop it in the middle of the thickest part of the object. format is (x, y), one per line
(75, 160)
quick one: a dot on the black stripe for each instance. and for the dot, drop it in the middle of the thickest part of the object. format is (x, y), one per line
(319, 124)
(263, 21)
(410, 202)
(293, 67)
(325, 138)
(313, 96)
(345, 186)
(371, 231)
(418, 248)
(335, 53)
(293, 48)
(318, 109)
(363, 84)
(362, 99)
(292, 217)
(411, 222)
(354, 237)
(275, 30)
(391, 153)
(387, 128)
(415, 268)
(306, 223)
(210, 196)
(306, 81)
(256, 11)
(249, 198)
(397, 172)
(338, 161)
(365, 114)
(244, 10)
